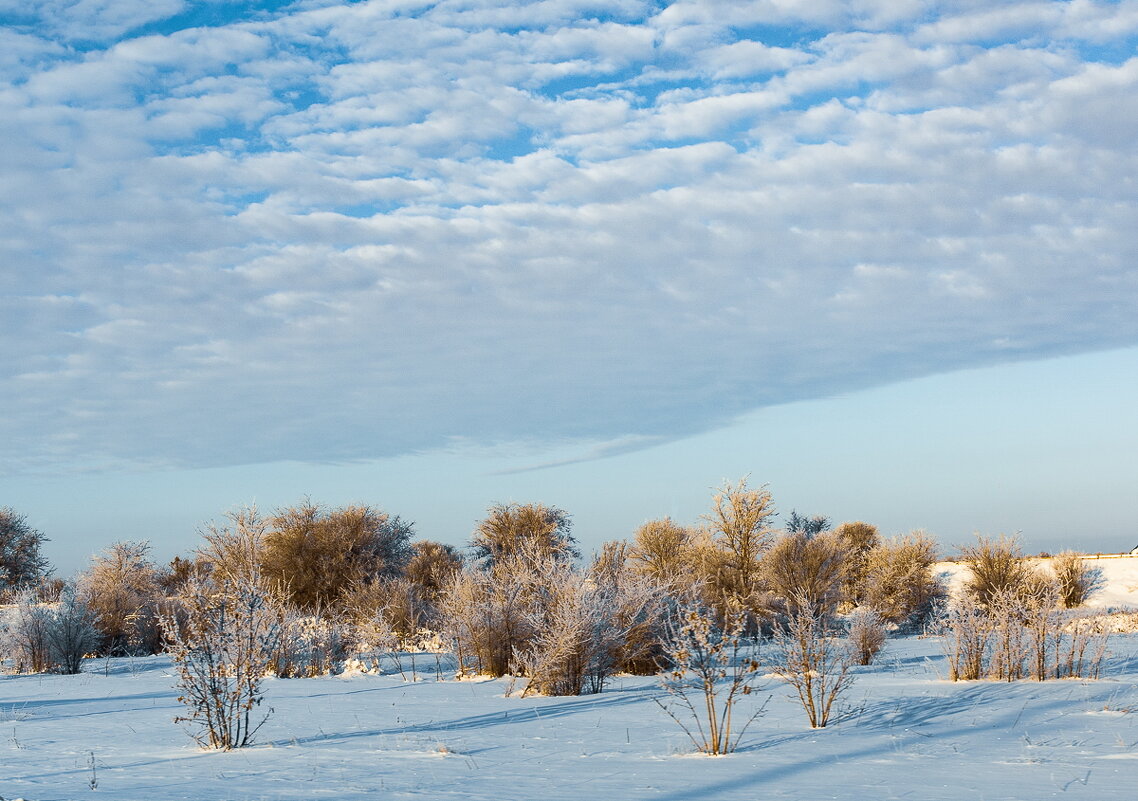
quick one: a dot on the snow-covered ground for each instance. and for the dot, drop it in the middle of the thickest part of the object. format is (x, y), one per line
(907, 733)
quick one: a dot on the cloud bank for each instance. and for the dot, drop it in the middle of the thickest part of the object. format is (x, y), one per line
(242, 232)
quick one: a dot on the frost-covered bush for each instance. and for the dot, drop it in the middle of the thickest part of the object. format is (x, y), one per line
(813, 661)
(308, 645)
(222, 649)
(486, 613)
(27, 625)
(54, 637)
(73, 631)
(711, 669)
(585, 626)
(531, 613)
(1017, 636)
(866, 631)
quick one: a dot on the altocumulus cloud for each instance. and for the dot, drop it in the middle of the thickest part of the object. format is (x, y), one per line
(244, 232)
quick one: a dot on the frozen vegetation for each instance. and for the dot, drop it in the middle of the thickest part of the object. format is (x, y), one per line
(319, 653)
(904, 731)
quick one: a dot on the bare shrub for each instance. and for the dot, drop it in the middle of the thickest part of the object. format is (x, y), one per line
(510, 530)
(307, 645)
(804, 569)
(866, 635)
(222, 651)
(996, 567)
(314, 554)
(812, 660)
(709, 670)
(1080, 648)
(1019, 635)
(570, 639)
(1010, 643)
(1077, 581)
(898, 581)
(637, 610)
(588, 625)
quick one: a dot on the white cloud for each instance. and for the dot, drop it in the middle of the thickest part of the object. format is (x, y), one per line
(349, 230)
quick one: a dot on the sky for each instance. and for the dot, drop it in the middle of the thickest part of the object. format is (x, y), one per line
(430, 256)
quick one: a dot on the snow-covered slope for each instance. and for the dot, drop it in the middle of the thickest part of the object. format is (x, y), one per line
(1119, 573)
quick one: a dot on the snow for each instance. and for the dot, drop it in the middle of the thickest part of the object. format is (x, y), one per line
(1119, 572)
(905, 733)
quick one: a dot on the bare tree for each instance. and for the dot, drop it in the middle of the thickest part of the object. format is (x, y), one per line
(859, 539)
(662, 549)
(709, 670)
(233, 553)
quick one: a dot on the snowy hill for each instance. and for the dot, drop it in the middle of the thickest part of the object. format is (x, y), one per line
(1119, 573)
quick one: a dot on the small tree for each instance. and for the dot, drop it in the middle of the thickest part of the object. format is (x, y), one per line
(739, 525)
(812, 660)
(121, 588)
(709, 670)
(222, 651)
(801, 568)
(510, 529)
(859, 540)
(314, 554)
(26, 635)
(22, 563)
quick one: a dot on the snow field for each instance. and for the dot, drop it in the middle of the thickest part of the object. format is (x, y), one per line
(906, 733)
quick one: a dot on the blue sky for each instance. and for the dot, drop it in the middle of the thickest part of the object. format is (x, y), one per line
(879, 255)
